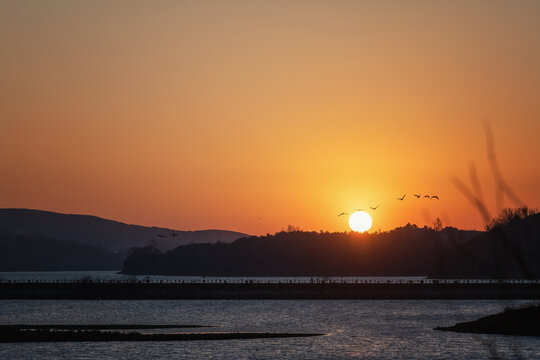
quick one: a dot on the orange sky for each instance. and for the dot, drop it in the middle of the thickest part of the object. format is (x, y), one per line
(252, 115)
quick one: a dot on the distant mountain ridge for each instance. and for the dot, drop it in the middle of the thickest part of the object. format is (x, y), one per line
(102, 233)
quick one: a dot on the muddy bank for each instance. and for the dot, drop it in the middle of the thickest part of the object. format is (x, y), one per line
(99, 327)
(48, 335)
(525, 322)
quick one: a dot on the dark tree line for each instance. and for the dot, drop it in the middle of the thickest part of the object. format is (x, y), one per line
(509, 249)
(403, 251)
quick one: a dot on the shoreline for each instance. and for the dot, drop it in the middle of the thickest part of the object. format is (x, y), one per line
(261, 291)
(100, 327)
(518, 322)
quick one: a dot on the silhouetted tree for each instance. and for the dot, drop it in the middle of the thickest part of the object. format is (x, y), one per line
(508, 215)
(437, 225)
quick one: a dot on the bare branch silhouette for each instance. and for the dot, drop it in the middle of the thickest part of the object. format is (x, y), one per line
(502, 186)
(473, 177)
(475, 201)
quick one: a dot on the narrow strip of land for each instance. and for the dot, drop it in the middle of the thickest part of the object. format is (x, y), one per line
(98, 327)
(100, 336)
(293, 291)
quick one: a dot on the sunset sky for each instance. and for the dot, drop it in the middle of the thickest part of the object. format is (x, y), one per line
(252, 115)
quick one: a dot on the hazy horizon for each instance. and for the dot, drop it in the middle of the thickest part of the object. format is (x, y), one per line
(283, 228)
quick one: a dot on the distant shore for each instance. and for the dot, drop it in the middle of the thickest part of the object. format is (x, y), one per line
(133, 291)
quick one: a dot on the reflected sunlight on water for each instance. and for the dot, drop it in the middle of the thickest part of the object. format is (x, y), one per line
(357, 329)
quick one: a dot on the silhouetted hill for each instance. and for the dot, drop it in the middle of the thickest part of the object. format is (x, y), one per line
(404, 251)
(509, 249)
(29, 253)
(98, 232)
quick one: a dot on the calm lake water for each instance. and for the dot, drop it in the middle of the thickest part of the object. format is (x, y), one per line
(357, 329)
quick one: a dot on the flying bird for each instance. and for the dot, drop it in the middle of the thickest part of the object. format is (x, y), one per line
(426, 196)
(417, 196)
(435, 197)
(374, 208)
(343, 214)
(401, 198)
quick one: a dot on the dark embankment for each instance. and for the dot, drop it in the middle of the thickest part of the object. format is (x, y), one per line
(9, 335)
(405, 251)
(524, 322)
(268, 291)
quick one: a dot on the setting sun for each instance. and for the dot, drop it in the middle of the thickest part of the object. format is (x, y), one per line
(360, 221)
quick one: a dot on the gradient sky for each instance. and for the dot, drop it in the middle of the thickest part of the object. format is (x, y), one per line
(252, 115)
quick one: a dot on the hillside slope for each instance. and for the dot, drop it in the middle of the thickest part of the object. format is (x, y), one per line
(509, 250)
(406, 251)
(98, 232)
(30, 253)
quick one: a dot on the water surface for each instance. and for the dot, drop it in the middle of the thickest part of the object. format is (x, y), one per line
(357, 329)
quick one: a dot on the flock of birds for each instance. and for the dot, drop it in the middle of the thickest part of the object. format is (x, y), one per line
(418, 196)
(163, 236)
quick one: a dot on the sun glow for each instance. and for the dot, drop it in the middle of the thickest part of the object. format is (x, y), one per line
(360, 221)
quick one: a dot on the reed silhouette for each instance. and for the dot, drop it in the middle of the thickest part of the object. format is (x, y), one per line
(519, 247)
